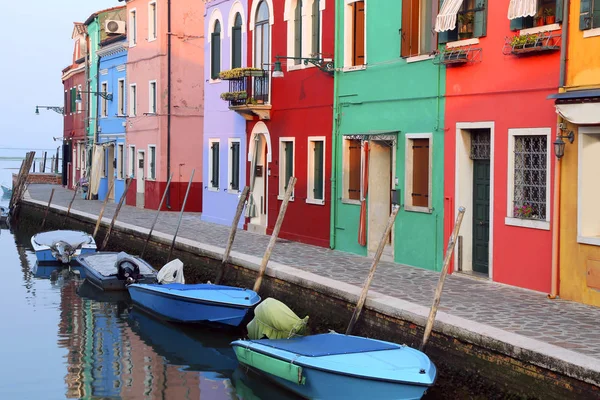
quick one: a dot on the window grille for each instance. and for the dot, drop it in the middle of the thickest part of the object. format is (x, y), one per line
(480, 145)
(530, 177)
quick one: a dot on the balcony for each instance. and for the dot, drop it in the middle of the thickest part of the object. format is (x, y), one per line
(526, 45)
(248, 92)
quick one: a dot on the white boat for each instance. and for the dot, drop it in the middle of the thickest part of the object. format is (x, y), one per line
(62, 246)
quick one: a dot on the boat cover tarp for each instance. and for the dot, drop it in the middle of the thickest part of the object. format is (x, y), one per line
(328, 344)
(105, 264)
(172, 272)
(275, 320)
(73, 238)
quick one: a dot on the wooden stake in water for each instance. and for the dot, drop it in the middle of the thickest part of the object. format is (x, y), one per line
(70, 205)
(47, 208)
(114, 218)
(157, 212)
(438, 291)
(232, 232)
(181, 215)
(112, 185)
(376, 258)
(267, 256)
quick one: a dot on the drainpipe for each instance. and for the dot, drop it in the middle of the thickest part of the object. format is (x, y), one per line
(334, 141)
(169, 100)
(557, 164)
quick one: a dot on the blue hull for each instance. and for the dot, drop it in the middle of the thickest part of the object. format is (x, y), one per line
(45, 256)
(188, 310)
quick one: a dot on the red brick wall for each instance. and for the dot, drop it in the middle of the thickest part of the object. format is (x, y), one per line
(54, 179)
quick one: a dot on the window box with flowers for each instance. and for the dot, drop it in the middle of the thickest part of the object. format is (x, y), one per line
(533, 43)
(234, 96)
(238, 73)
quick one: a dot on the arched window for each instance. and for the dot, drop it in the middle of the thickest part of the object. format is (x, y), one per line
(262, 36)
(298, 32)
(215, 51)
(236, 42)
(316, 27)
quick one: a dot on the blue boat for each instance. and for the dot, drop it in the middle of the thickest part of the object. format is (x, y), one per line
(336, 366)
(198, 303)
(6, 191)
(62, 245)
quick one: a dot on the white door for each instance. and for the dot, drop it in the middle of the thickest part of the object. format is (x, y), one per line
(379, 194)
(258, 223)
(141, 180)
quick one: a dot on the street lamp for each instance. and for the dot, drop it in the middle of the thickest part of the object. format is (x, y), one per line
(56, 109)
(559, 144)
(104, 95)
(325, 65)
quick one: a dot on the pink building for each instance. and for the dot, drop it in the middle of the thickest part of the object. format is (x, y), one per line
(165, 78)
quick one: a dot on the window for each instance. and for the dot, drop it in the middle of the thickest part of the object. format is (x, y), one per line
(80, 104)
(236, 42)
(103, 90)
(120, 161)
(152, 163)
(215, 51)
(471, 22)
(213, 164)
(66, 106)
(132, 161)
(234, 165)
(316, 170)
(73, 106)
(589, 14)
(152, 21)
(132, 100)
(546, 14)
(132, 32)
(316, 27)
(352, 169)
(105, 162)
(152, 97)
(298, 32)
(417, 31)
(588, 212)
(286, 163)
(358, 33)
(418, 172)
(262, 36)
(121, 96)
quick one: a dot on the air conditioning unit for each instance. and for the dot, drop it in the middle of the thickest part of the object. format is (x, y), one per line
(114, 26)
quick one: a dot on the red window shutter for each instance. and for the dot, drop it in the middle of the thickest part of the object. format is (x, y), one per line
(354, 170)
(359, 33)
(409, 40)
(420, 186)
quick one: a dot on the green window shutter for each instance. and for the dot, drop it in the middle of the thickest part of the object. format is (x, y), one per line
(235, 166)
(289, 162)
(73, 97)
(585, 17)
(316, 27)
(559, 11)
(517, 23)
(298, 31)
(596, 14)
(237, 48)
(215, 165)
(215, 55)
(318, 171)
(480, 26)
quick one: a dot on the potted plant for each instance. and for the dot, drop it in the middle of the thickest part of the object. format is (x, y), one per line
(549, 16)
(234, 96)
(525, 41)
(465, 21)
(539, 19)
(525, 211)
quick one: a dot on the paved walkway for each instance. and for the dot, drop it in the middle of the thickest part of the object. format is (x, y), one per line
(561, 323)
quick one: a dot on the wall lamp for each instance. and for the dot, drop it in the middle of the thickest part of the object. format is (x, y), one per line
(107, 96)
(56, 109)
(325, 65)
(559, 144)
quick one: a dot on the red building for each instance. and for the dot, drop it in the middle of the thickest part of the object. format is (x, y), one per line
(74, 131)
(289, 116)
(498, 144)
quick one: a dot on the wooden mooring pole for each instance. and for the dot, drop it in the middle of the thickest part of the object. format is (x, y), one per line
(282, 210)
(376, 258)
(187, 192)
(21, 184)
(156, 216)
(438, 291)
(114, 218)
(70, 205)
(112, 185)
(232, 232)
(47, 208)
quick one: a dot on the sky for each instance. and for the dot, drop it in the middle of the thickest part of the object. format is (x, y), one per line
(36, 45)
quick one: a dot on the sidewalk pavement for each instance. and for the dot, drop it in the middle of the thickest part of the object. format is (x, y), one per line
(567, 325)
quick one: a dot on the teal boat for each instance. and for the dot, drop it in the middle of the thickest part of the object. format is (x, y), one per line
(336, 366)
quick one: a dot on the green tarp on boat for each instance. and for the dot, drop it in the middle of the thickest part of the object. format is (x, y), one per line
(274, 320)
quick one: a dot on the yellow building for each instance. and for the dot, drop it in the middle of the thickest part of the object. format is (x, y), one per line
(578, 108)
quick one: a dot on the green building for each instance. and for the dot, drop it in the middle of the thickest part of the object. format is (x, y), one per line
(388, 131)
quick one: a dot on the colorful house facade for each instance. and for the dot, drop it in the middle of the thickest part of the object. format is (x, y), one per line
(286, 97)
(578, 108)
(165, 73)
(225, 48)
(499, 128)
(388, 139)
(111, 115)
(74, 127)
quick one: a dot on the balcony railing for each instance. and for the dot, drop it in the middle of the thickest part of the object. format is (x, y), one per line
(247, 86)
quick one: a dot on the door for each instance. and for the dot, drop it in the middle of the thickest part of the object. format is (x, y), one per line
(141, 180)
(379, 195)
(258, 175)
(111, 172)
(481, 215)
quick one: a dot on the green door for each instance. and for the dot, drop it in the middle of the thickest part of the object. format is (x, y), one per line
(481, 215)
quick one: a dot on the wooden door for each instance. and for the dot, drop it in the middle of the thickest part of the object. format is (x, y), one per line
(481, 215)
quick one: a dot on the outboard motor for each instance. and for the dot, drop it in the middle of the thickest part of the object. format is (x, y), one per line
(127, 269)
(62, 251)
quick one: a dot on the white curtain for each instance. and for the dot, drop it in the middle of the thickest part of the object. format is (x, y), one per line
(446, 19)
(522, 8)
(97, 162)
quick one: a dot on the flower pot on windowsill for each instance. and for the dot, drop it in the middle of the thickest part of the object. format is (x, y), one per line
(550, 19)
(539, 21)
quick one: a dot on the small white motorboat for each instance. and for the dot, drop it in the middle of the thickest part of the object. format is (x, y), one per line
(61, 246)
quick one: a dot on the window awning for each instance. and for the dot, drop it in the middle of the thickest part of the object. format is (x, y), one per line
(577, 96)
(446, 19)
(522, 8)
(580, 113)
(383, 135)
